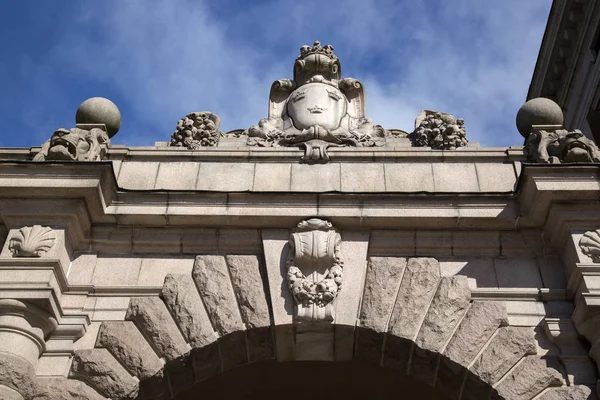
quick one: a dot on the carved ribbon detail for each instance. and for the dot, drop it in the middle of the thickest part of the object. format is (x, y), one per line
(315, 269)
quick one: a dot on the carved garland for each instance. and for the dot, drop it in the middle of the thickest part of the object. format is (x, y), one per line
(315, 269)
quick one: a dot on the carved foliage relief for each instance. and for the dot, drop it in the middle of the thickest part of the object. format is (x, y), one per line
(32, 241)
(196, 130)
(315, 269)
(438, 130)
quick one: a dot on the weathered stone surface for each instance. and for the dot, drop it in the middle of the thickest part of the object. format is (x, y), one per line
(212, 279)
(369, 344)
(397, 352)
(100, 369)
(16, 373)
(65, 389)
(567, 393)
(180, 375)
(260, 344)
(383, 279)
(7, 393)
(529, 378)
(448, 306)
(183, 301)
(206, 361)
(504, 351)
(248, 285)
(233, 350)
(127, 345)
(423, 365)
(416, 291)
(450, 377)
(480, 323)
(154, 321)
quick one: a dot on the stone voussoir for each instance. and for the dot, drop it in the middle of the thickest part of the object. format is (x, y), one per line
(126, 344)
(506, 348)
(65, 389)
(577, 392)
(248, 285)
(479, 324)
(414, 296)
(181, 297)
(383, 279)
(17, 374)
(152, 318)
(529, 378)
(214, 284)
(103, 372)
(448, 306)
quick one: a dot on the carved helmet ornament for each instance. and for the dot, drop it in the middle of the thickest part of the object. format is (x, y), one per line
(316, 109)
(315, 269)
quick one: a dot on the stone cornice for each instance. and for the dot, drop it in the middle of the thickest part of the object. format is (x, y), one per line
(98, 200)
(560, 50)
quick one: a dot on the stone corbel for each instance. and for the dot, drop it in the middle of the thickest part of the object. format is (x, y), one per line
(573, 351)
(314, 273)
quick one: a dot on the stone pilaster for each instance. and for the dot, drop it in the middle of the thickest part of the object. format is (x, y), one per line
(23, 329)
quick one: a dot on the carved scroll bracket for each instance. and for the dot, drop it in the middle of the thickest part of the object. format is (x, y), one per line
(315, 269)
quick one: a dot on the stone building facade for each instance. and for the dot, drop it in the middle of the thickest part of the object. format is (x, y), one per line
(315, 254)
(567, 69)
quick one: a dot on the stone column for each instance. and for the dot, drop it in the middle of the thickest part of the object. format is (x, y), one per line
(23, 329)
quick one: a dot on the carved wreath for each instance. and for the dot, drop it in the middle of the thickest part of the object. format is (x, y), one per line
(315, 247)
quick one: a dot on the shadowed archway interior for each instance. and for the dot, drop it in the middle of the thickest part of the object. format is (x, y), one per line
(311, 379)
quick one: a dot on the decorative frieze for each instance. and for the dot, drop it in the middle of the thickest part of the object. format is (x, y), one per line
(32, 241)
(315, 269)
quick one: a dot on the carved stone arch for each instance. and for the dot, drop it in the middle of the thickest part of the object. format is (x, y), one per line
(412, 320)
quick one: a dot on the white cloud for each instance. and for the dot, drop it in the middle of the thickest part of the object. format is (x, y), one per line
(163, 59)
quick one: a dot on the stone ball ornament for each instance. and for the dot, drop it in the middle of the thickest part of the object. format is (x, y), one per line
(538, 111)
(98, 110)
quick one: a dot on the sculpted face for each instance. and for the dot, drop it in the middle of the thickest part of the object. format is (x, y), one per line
(76, 145)
(317, 104)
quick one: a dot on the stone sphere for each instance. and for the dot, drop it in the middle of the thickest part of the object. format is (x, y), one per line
(98, 110)
(538, 111)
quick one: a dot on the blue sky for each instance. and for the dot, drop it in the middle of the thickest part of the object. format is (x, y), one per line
(161, 59)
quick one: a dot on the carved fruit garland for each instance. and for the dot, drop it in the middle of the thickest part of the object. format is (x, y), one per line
(315, 269)
(590, 245)
(32, 241)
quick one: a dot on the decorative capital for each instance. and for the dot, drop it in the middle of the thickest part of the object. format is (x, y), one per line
(590, 245)
(315, 269)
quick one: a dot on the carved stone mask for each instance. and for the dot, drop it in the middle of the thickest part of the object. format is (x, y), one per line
(77, 145)
(317, 104)
(574, 147)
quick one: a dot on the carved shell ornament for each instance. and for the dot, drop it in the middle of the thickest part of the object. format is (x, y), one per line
(315, 269)
(32, 241)
(590, 245)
